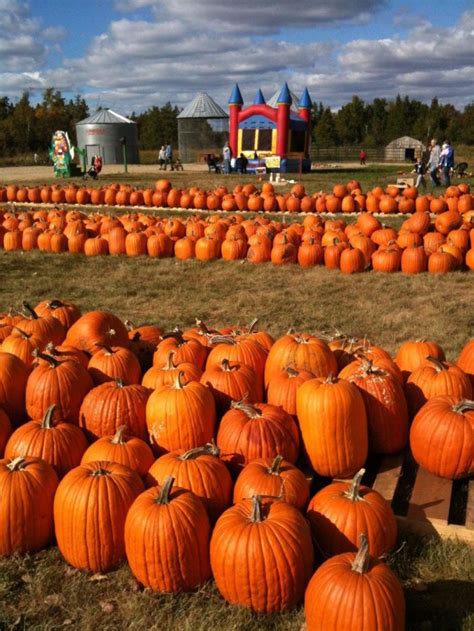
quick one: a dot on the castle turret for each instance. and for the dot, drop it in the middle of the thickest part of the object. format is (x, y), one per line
(304, 106)
(283, 120)
(259, 98)
(235, 106)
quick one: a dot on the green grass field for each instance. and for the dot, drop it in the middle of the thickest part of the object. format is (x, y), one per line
(41, 592)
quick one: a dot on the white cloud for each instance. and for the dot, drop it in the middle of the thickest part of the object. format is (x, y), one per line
(193, 45)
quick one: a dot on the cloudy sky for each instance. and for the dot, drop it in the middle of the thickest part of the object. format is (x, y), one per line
(132, 54)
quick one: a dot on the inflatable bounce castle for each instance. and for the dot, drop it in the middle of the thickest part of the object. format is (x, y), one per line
(276, 134)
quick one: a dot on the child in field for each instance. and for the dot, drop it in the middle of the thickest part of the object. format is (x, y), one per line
(420, 170)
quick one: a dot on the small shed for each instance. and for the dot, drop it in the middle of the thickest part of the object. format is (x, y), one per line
(404, 148)
(203, 127)
(105, 133)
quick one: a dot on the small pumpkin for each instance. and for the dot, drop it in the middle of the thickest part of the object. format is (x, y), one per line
(122, 448)
(275, 478)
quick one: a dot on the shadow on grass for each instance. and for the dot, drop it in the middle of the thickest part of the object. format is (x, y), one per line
(445, 605)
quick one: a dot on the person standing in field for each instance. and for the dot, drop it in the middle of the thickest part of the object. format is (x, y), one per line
(433, 162)
(446, 162)
(168, 155)
(162, 157)
(227, 157)
(362, 156)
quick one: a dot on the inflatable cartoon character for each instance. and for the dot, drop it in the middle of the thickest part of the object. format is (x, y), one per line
(61, 153)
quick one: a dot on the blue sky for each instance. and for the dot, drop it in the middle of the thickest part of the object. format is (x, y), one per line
(132, 54)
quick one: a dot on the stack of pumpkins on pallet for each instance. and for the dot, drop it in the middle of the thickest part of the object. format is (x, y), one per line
(345, 198)
(440, 246)
(180, 452)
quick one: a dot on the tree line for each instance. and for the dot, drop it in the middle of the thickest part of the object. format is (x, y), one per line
(378, 123)
(26, 128)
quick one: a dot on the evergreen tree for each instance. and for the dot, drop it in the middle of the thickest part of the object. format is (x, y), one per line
(325, 133)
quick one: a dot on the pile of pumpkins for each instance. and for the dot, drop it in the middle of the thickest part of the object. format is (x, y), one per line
(345, 198)
(181, 452)
(440, 245)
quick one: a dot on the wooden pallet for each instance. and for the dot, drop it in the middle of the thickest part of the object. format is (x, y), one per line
(423, 503)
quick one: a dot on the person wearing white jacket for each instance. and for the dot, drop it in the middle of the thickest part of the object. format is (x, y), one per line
(433, 162)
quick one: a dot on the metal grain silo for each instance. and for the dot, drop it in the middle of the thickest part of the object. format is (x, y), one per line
(104, 133)
(203, 127)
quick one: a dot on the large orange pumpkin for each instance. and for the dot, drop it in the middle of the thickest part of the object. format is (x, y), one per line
(340, 511)
(442, 437)
(354, 592)
(181, 415)
(333, 425)
(158, 558)
(27, 488)
(90, 508)
(58, 443)
(280, 541)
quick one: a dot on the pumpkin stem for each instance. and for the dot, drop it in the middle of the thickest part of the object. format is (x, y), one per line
(222, 339)
(129, 325)
(30, 309)
(225, 363)
(256, 515)
(250, 410)
(362, 560)
(48, 417)
(208, 449)
(53, 362)
(438, 364)
(178, 382)
(176, 334)
(17, 463)
(107, 348)
(100, 471)
(23, 334)
(119, 382)
(463, 406)
(164, 496)
(252, 325)
(331, 378)
(352, 493)
(118, 436)
(275, 466)
(55, 304)
(169, 362)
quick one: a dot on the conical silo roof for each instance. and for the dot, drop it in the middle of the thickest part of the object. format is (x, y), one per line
(104, 116)
(203, 106)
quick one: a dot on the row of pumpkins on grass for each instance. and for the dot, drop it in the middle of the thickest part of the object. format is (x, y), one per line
(180, 453)
(346, 198)
(442, 245)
